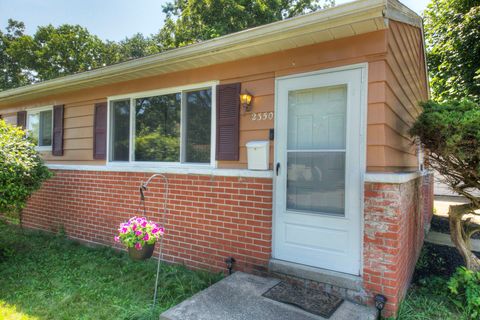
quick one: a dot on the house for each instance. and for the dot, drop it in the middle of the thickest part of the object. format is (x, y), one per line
(344, 201)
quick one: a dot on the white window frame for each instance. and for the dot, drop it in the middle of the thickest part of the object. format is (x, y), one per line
(145, 94)
(35, 111)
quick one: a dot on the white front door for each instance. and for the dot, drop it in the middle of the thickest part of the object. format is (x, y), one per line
(319, 153)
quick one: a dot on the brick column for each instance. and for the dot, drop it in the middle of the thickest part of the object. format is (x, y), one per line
(395, 215)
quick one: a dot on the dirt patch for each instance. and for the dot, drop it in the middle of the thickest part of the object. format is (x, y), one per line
(438, 260)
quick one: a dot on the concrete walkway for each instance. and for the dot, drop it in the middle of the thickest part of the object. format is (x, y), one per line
(239, 297)
(445, 240)
(442, 205)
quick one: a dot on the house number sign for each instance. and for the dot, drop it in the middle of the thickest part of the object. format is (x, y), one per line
(261, 116)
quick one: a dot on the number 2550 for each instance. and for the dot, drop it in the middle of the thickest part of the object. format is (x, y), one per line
(259, 116)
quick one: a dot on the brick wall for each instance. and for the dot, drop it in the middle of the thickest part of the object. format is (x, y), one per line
(395, 220)
(214, 217)
(210, 217)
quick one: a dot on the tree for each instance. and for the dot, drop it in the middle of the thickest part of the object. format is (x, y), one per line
(190, 21)
(64, 50)
(137, 46)
(451, 133)
(452, 35)
(21, 169)
(12, 69)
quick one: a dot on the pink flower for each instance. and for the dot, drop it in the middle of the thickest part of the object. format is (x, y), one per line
(138, 246)
(117, 239)
(144, 224)
(138, 233)
(123, 230)
(147, 237)
(134, 227)
(158, 230)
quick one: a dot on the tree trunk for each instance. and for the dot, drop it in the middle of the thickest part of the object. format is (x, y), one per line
(458, 236)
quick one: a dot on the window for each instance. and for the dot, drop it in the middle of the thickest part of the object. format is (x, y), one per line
(39, 125)
(199, 112)
(157, 128)
(120, 130)
(170, 127)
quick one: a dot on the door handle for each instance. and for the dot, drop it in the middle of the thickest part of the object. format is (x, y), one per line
(277, 168)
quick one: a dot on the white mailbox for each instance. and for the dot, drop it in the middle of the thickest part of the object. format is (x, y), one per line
(258, 153)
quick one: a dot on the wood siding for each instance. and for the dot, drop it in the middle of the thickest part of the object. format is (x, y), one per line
(77, 134)
(10, 118)
(394, 100)
(395, 85)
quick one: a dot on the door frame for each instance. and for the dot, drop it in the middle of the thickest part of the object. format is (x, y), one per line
(363, 146)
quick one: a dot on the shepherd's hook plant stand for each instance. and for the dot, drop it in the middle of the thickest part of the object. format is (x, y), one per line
(163, 210)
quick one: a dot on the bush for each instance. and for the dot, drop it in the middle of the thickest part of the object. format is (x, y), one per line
(465, 289)
(450, 132)
(21, 169)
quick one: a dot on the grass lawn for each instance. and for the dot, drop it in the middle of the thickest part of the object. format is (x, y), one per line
(429, 301)
(44, 276)
(429, 296)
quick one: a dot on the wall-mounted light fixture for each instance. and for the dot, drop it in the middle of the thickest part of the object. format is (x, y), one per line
(246, 101)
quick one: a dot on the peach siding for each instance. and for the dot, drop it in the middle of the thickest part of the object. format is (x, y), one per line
(78, 134)
(10, 117)
(391, 105)
(394, 101)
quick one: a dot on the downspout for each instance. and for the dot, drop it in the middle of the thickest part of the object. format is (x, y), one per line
(427, 78)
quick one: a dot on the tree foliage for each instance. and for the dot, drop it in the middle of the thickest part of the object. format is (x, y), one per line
(21, 169)
(12, 69)
(190, 21)
(452, 34)
(450, 131)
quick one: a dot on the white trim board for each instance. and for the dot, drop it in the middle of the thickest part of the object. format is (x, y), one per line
(243, 173)
(395, 178)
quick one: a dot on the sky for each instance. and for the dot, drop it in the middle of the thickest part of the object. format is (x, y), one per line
(108, 19)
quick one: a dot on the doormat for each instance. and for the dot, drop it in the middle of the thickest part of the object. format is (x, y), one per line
(314, 301)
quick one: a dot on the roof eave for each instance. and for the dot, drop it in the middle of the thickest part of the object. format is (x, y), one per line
(348, 13)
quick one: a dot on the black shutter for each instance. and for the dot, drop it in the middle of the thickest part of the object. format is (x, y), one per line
(57, 143)
(228, 121)
(100, 131)
(22, 119)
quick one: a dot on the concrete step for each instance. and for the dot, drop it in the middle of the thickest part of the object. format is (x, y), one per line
(239, 297)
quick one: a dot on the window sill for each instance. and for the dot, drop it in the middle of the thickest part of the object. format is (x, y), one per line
(174, 169)
(43, 148)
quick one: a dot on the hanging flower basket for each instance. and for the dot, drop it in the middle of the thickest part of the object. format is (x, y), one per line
(144, 253)
(139, 235)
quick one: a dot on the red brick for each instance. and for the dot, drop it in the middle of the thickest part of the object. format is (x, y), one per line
(202, 225)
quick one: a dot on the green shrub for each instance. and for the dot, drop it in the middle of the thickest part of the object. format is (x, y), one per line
(450, 132)
(21, 169)
(465, 289)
